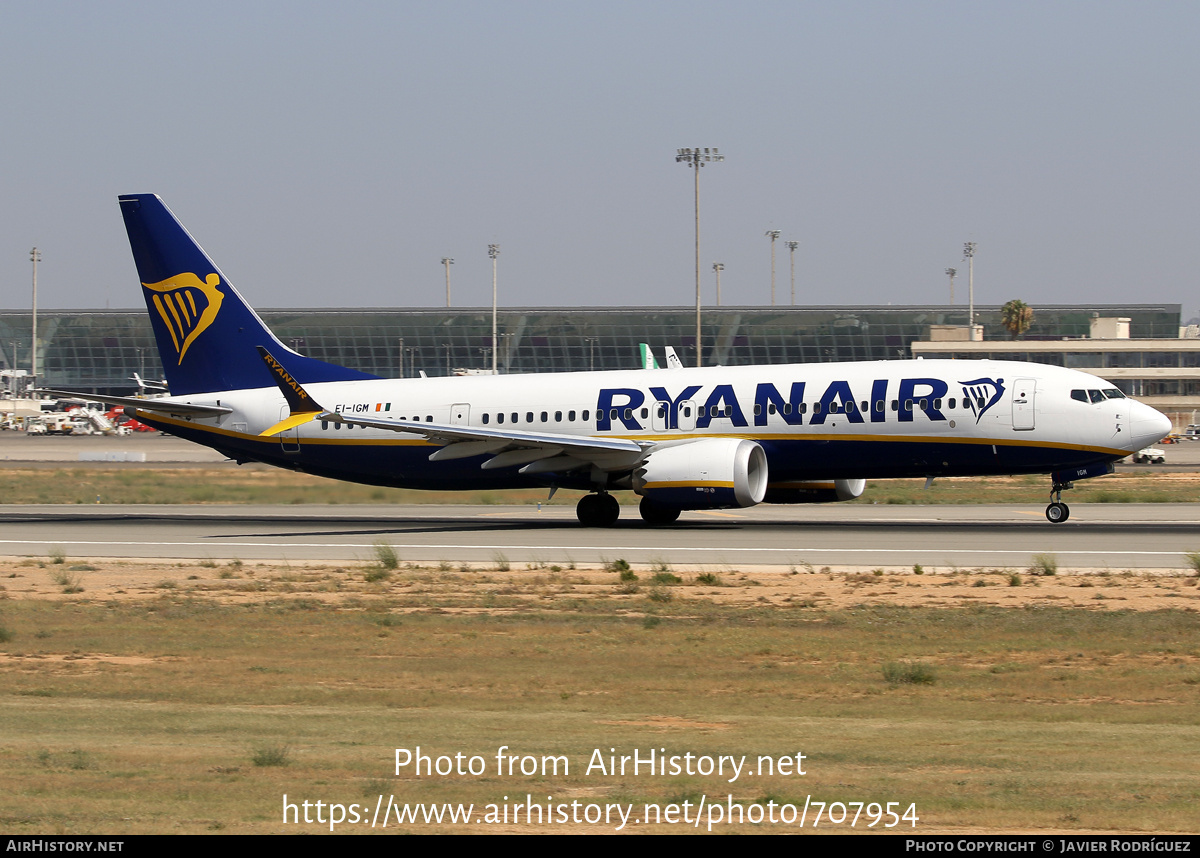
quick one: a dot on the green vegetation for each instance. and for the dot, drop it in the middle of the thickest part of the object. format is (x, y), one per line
(1044, 564)
(908, 673)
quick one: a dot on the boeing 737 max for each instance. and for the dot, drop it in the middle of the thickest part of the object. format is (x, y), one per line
(682, 439)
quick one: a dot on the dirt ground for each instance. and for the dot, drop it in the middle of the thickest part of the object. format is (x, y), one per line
(807, 586)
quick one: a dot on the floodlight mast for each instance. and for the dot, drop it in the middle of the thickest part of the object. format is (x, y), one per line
(951, 272)
(772, 234)
(35, 256)
(791, 246)
(493, 252)
(969, 255)
(718, 267)
(447, 261)
(697, 158)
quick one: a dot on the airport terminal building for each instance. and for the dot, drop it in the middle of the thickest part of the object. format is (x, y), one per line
(1150, 357)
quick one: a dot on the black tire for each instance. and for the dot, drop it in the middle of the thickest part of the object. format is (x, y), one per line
(657, 515)
(1057, 513)
(598, 510)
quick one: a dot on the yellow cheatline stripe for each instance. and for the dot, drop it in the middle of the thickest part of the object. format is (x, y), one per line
(687, 484)
(901, 439)
(1109, 451)
(159, 417)
(289, 422)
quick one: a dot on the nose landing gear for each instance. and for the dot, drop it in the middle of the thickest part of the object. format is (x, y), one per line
(1058, 512)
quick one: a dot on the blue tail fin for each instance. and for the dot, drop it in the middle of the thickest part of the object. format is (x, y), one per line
(207, 334)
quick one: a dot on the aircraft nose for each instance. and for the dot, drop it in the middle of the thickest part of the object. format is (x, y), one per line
(1148, 425)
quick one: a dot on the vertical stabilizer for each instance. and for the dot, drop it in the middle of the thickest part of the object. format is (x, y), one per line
(207, 334)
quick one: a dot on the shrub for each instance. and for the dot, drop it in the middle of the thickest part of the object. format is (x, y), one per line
(1193, 559)
(386, 556)
(1044, 564)
(908, 673)
(271, 755)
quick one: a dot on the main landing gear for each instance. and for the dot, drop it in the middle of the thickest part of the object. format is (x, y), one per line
(599, 509)
(1058, 512)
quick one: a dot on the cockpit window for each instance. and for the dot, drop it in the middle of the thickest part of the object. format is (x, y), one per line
(1079, 395)
(1096, 395)
(1113, 393)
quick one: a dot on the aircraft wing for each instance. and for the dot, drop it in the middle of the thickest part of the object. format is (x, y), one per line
(151, 406)
(537, 451)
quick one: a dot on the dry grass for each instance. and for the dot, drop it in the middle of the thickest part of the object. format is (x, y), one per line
(260, 484)
(130, 708)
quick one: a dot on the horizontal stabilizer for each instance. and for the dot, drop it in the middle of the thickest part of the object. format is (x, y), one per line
(151, 406)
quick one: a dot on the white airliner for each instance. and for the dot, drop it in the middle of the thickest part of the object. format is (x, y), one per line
(682, 439)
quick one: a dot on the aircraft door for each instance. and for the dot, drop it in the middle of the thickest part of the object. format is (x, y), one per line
(687, 415)
(1023, 404)
(660, 416)
(289, 440)
(460, 414)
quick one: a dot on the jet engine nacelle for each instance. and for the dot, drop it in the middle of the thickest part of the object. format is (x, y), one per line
(712, 473)
(820, 491)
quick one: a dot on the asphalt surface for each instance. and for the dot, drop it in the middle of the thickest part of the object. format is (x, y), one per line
(1097, 536)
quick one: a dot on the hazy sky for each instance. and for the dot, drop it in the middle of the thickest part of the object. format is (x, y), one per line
(331, 154)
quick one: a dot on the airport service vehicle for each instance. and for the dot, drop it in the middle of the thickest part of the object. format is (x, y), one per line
(682, 439)
(1150, 454)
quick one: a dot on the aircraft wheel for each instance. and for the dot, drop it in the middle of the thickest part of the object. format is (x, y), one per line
(1058, 512)
(655, 514)
(598, 510)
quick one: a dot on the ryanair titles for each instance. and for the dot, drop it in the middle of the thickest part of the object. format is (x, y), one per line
(618, 407)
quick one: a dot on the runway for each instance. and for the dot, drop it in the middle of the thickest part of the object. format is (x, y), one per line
(1098, 536)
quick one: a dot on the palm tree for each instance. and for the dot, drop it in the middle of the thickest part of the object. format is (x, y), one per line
(1016, 316)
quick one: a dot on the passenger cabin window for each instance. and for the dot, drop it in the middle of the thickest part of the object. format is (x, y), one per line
(585, 414)
(485, 419)
(528, 416)
(571, 416)
(500, 417)
(558, 417)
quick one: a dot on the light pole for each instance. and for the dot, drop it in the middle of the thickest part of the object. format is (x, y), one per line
(772, 234)
(718, 267)
(35, 256)
(969, 255)
(591, 341)
(697, 158)
(447, 261)
(493, 252)
(791, 246)
(951, 272)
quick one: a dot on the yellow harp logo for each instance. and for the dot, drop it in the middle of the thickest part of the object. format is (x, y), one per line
(187, 305)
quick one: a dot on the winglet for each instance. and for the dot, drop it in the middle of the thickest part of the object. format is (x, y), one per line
(302, 406)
